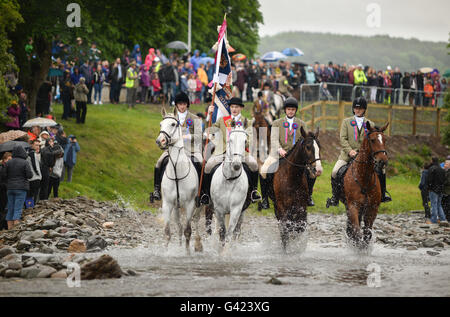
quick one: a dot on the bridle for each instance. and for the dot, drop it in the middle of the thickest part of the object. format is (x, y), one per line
(167, 135)
(234, 154)
(307, 164)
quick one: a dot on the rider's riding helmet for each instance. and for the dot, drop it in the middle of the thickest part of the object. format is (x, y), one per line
(290, 102)
(267, 84)
(182, 97)
(236, 101)
(359, 102)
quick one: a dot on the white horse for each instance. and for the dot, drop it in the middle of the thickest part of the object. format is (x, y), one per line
(229, 186)
(180, 182)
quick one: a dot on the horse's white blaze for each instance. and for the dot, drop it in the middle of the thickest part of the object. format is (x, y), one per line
(317, 156)
(380, 138)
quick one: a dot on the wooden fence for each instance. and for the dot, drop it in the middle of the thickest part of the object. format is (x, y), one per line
(316, 116)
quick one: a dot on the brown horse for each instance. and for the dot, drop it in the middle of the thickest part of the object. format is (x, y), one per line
(362, 191)
(261, 122)
(290, 187)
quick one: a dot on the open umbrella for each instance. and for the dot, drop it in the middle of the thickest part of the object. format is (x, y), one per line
(239, 57)
(11, 135)
(446, 73)
(293, 52)
(9, 146)
(177, 45)
(426, 70)
(42, 122)
(273, 56)
(205, 60)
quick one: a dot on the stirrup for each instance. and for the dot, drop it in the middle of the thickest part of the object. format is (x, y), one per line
(156, 195)
(387, 197)
(204, 200)
(258, 196)
(332, 202)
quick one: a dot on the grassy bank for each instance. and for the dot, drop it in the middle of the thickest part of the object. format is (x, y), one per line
(118, 153)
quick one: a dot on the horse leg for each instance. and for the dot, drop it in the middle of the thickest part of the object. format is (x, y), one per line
(198, 247)
(208, 217)
(221, 226)
(166, 215)
(369, 219)
(235, 214)
(353, 228)
(284, 233)
(237, 230)
(188, 230)
(178, 222)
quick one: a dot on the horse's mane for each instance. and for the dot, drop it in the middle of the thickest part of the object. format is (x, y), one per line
(310, 134)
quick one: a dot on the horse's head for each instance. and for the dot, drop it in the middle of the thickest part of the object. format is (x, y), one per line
(236, 146)
(169, 132)
(377, 145)
(311, 148)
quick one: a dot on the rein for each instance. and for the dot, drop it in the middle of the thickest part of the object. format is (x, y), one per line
(174, 165)
(223, 172)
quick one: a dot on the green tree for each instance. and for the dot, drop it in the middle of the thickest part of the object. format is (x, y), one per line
(9, 18)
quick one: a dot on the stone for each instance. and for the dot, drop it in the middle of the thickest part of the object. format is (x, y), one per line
(45, 272)
(29, 262)
(131, 273)
(102, 268)
(32, 235)
(77, 246)
(96, 241)
(432, 253)
(274, 281)
(49, 224)
(108, 225)
(14, 265)
(13, 257)
(444, 224)
(41, 258)
(411, 248)
(46, 249)
(11, 273)
(6, 251)
(23, 245)
(59, 274)
(432, 244)
(62, 230)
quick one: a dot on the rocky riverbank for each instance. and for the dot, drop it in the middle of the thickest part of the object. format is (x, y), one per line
(60, 231)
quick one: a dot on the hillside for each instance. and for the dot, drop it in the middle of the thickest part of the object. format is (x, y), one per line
(377, 51)
(118, 153)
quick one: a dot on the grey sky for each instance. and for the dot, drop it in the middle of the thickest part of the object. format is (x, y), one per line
(425, 20)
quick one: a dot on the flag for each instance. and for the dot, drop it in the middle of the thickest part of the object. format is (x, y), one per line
(222, 60)
(221, 107)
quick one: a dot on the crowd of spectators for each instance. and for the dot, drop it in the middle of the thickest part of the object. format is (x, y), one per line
(30, 174)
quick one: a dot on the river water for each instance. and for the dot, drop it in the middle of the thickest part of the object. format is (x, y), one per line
(317, 264)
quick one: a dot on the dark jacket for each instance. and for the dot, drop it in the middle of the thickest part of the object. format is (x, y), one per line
(17, 170)
(423, 180)
(436, 179)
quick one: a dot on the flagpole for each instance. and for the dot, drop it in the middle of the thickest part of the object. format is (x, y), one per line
(206, 146)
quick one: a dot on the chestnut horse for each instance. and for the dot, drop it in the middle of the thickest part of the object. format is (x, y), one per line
(362, 190)
(290, 187)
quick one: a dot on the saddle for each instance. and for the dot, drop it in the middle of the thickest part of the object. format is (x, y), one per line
(341, 173)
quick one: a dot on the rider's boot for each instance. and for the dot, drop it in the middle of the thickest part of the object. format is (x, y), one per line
(205, 199)
(335, 189)
(311, 182)
(384, 198)
(254, 196)
(157, 181)
(265, 193)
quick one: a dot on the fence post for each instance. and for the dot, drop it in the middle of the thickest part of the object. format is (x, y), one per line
(341, 113)
(414, 120)
(390, 120)
(312, 116)
(324, 113)
(438, 122)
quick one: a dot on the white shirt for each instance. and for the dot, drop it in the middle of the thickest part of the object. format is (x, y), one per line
(237, 118)
(359, 121)
(182, 117)
(291, 122)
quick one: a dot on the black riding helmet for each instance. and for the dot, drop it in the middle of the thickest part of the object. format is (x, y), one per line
(290, 102)
(359, 102)
(182, 97)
